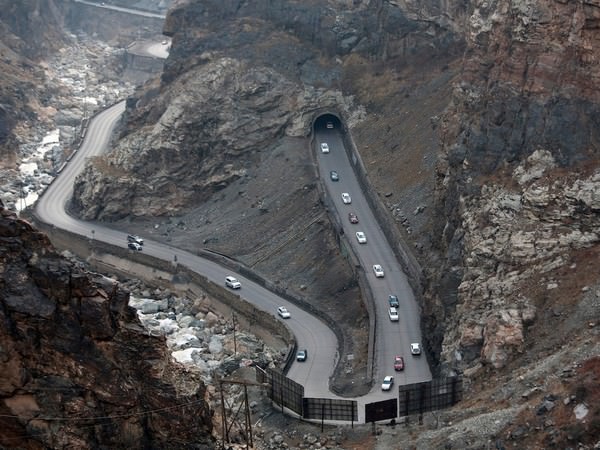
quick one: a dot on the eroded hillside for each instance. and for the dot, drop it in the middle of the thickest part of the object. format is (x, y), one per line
(218, 155)
(73, 352)
(478, 127)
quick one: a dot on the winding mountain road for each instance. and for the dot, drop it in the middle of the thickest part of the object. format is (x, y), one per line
(311, 333)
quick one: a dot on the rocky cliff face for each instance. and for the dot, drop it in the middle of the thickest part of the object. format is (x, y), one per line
(518, 182)
(216, 156)
(239, 78)
(77, 367)
(30, 29)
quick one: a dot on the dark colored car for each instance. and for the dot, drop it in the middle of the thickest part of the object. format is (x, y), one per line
(394, 303)
(334, 176)
(398, 363)
(353, 218)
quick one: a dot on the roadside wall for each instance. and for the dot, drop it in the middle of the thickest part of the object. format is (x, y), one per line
(119, 260)
(410, 265)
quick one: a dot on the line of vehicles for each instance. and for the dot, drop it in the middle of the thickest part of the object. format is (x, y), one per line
(394, 304)
(233, 283)
(136, 243)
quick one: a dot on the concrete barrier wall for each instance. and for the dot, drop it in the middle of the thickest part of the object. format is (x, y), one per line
(403, 253)
(156, 272)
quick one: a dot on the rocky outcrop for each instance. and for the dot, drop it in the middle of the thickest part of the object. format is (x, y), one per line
(239, 78)
(189, 153)
(77, 366)
(518, 178)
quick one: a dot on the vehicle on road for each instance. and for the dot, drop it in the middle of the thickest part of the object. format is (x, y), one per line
(164, 42)
(302, 355)
(283, 312)
(415, 348)
(346, 198)
(393, 313)
(387, 383)
(324, 147)
(232, 282)
(330, 125)
(361, 237)
(134, 246)
(353, 218)
(135, 238)
(398, 363)
(393, 301)
(378, 270)
(334, 176)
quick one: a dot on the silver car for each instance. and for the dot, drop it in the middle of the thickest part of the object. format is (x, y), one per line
(378, 271)
(283, 312)
(232, 283)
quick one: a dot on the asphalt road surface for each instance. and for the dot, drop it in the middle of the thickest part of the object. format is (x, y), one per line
(310, 332)
(392, 338)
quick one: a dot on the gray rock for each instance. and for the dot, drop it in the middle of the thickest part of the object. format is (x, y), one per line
(215, 345)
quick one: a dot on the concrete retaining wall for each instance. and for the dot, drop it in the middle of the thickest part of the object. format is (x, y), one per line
(155, 272)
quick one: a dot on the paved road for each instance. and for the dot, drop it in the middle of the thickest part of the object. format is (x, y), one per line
(137, 12)
(392, 338)
(310, 332)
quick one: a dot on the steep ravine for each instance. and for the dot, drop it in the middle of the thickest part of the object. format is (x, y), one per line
(498, 193)
(217, 155)
(78, 369)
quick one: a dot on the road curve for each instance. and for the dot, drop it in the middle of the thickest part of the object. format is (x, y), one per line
(310, 332)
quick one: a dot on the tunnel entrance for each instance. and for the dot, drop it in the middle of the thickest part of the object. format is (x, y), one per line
(326, 121)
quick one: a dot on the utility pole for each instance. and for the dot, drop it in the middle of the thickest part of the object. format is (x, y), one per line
(234, 339)
(245, 429)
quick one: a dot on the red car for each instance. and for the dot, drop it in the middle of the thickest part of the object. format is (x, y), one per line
(353, 218)
(398, 363)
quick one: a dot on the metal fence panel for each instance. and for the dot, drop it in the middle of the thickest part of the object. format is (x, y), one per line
(383, 410)
(285, 391)
(330, 409)
(440, 393)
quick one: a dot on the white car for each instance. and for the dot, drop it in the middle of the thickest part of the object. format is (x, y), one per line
(361, 238)
(135, 238)
(346, 198)
(283, 312)
(378, 270)
(387, 383)
(302, 355)
(393, 313)
(415, 348)
(232, 283)
(134, 246)
(324, 147)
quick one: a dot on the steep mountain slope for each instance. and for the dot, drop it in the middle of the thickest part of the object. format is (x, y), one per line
(217, 155)
(77, 366)
(498, 194)
(30, 29)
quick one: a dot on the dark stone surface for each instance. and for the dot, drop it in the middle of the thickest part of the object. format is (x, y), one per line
(71, 345)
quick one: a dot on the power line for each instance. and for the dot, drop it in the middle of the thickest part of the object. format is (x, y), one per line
(116, 416)
(71, 419)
